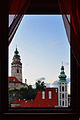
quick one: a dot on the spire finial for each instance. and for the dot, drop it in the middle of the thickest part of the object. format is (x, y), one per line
(16, 51)
(16, 46)
(62, 67)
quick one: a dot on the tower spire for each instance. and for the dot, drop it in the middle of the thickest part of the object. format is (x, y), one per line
(16, 45)
(16, 66)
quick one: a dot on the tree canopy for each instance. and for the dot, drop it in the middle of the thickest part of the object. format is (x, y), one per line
(28, 93)
(40, 85)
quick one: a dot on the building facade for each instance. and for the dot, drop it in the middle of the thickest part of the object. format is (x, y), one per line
(14, 83)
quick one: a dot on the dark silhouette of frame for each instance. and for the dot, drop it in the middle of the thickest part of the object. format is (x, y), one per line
(72, 113)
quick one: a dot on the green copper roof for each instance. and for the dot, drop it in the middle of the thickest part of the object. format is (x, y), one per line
(62, 67)
(62, 81)
(62, 76)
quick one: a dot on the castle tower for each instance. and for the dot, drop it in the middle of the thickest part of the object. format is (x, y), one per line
(16, 66)
(62, 89)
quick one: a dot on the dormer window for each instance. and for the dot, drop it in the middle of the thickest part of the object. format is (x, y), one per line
(50, 96)
(43, 94)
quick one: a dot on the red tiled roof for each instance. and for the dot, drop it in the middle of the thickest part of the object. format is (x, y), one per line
(22, 103)
(38, 101)
(18, 101)
(14, 79)
(28, 104)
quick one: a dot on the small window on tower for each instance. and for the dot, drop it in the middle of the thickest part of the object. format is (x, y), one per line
(65, 102)
(66, 95)
(62, 88)
(66, 88)
(17, 71)
(62, 103)
(62, 95)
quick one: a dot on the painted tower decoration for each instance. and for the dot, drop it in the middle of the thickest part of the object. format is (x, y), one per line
(16, 66)
(62, 89)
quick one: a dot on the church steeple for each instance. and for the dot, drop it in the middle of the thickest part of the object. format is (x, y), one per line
(62, 89)
(16, 66)
(16, 51)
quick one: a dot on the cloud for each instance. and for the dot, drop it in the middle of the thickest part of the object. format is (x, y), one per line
(55, 83)
(51, 85)
(42, 78)
(34, 86)
(47, 84)
(66, 63)
(68, 80)
(53, 44)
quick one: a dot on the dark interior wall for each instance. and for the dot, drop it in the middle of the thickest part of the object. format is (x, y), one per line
(3, 56)
(43, 7)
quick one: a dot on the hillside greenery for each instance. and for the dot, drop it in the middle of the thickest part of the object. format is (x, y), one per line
(28, 93)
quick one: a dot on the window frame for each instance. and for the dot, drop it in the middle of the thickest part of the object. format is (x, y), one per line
(75, 72)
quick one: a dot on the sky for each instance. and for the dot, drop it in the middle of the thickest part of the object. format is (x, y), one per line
(43, 45)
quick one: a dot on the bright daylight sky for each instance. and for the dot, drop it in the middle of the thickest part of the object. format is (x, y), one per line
(42, 44)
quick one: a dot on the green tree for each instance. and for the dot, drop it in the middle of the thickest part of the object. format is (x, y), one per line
(40, 85)
(28, 93)
(43, 87)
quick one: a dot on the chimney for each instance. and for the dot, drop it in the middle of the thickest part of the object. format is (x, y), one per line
(25, 81)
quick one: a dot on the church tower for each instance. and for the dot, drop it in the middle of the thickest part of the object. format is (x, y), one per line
(62, 89)
(16, 66)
